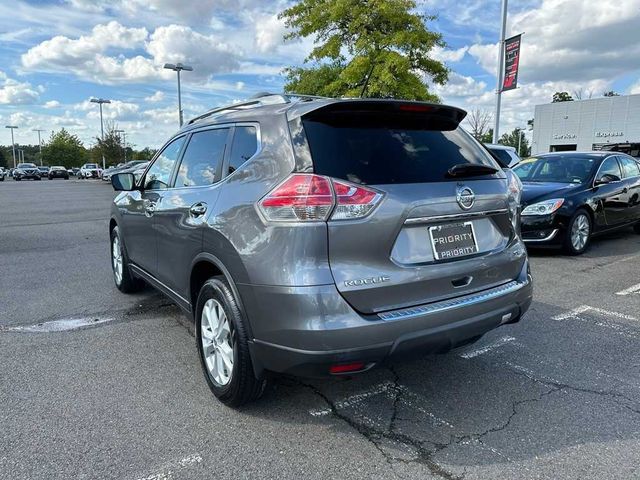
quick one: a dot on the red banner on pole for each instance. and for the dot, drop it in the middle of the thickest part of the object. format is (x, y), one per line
(511, 62)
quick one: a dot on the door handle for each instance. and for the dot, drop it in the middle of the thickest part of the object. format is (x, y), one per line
(150, 209)
(625, 190)
(198, 209)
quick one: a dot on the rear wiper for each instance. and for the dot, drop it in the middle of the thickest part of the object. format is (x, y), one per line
(470, 170)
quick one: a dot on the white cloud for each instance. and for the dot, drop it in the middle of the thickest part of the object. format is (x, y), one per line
(269, 32)
(88, 58)
(444, 55)
(158, 96)
(635, 88)
(13, 92)
(572, 40)
(116, 110)
(52, 104)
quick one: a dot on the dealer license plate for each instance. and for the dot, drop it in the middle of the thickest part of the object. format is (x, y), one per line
(453, 240)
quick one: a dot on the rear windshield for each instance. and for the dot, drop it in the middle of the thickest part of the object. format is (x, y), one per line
(375, 149)
(91, 165)
(26, 165)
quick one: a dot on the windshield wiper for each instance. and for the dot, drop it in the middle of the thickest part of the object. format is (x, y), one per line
(470, 170)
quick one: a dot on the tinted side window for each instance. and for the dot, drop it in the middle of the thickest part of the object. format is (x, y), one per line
(610, 167)
(159, 175)
(629, 167)
(202, 158)
(245, 145)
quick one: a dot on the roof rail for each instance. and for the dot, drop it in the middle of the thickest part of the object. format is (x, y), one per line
(257, 100)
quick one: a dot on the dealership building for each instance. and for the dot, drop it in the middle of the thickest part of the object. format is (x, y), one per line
(606, 123)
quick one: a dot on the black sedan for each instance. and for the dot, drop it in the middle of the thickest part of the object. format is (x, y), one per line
(58, 172)
(568, 197)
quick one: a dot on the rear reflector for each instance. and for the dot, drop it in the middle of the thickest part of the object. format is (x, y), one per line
(347, 367)
(308, 197)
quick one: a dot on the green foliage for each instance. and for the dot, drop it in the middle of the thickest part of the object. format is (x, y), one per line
(144, 154)
(511, 140)
(364, 48)
(64, 149)
(562, 97)
(111, 147)
(486, 137)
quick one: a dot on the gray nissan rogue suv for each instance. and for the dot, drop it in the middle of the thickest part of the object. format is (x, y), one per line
(317, 236)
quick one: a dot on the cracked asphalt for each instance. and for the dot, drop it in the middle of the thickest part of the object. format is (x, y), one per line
(556, 396)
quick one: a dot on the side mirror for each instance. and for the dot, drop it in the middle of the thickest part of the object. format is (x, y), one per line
(123, 182)
(607, 178)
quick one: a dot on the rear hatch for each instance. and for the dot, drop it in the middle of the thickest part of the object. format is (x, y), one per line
(427, 239)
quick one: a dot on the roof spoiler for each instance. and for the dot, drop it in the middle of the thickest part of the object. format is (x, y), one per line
(437, 116)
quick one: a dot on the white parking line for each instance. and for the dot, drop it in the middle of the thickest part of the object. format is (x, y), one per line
(630, 290)
(492, 346)
(167, 471)
(388, 389)
(575, 313)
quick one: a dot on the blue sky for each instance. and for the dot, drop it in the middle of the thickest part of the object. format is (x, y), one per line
(58, 54)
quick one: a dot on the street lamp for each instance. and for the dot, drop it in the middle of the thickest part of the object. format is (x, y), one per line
(124, 143)
(178, 67)
(13, 144)
(39, 142)
(100, 101)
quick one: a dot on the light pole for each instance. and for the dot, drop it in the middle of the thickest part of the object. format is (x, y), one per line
(100, 101)
(124, 143)
(39, 142)
(13, 143)
(178, 67)
(503, 32)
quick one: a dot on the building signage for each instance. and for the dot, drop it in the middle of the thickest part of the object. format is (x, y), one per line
(511, 62)
(609, 134)
(564, 136)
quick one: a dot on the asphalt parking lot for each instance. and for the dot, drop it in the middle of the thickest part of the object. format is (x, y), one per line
(556, 396)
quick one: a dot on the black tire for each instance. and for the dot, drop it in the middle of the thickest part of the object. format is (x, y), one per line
(17, 179)
(128, 283)
(568, 246)
(636, 227)
(38, 178)
(243, 386)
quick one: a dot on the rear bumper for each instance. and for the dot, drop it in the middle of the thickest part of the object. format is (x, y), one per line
(304, 330)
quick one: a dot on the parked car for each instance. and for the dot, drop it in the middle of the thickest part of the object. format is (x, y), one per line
(569, 197)
(73, 171)
(504, 155)
(90, 170)
(3, 174)
(58, 172)
(106, 175)
(44, 171)
(26, 171)
(322, 236)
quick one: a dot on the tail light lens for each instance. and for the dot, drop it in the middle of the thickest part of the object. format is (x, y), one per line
(514, 194)
(309, 198)
(353, 201)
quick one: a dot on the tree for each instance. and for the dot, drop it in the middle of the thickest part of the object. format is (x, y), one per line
(364, 48)
(487, 137)
(511, 140)
(479, 121)
(65, 149)
(580, 94)
(111, 147)
(611, 93)
(144, 154)
(562, 97)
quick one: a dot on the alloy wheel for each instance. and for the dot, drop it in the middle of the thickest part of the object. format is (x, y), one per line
(217, 342)
(580, 232)
(116, 259)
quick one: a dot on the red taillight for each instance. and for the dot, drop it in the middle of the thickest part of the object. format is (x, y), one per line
(309, 197)
(300, 197)
(353, 201)
(346, 367)
(416, 107)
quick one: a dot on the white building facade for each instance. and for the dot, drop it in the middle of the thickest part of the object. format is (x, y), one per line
(586, 125)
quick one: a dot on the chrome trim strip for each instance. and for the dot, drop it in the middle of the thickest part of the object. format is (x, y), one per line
(551, 236)
(437, 218)
(454, 303)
